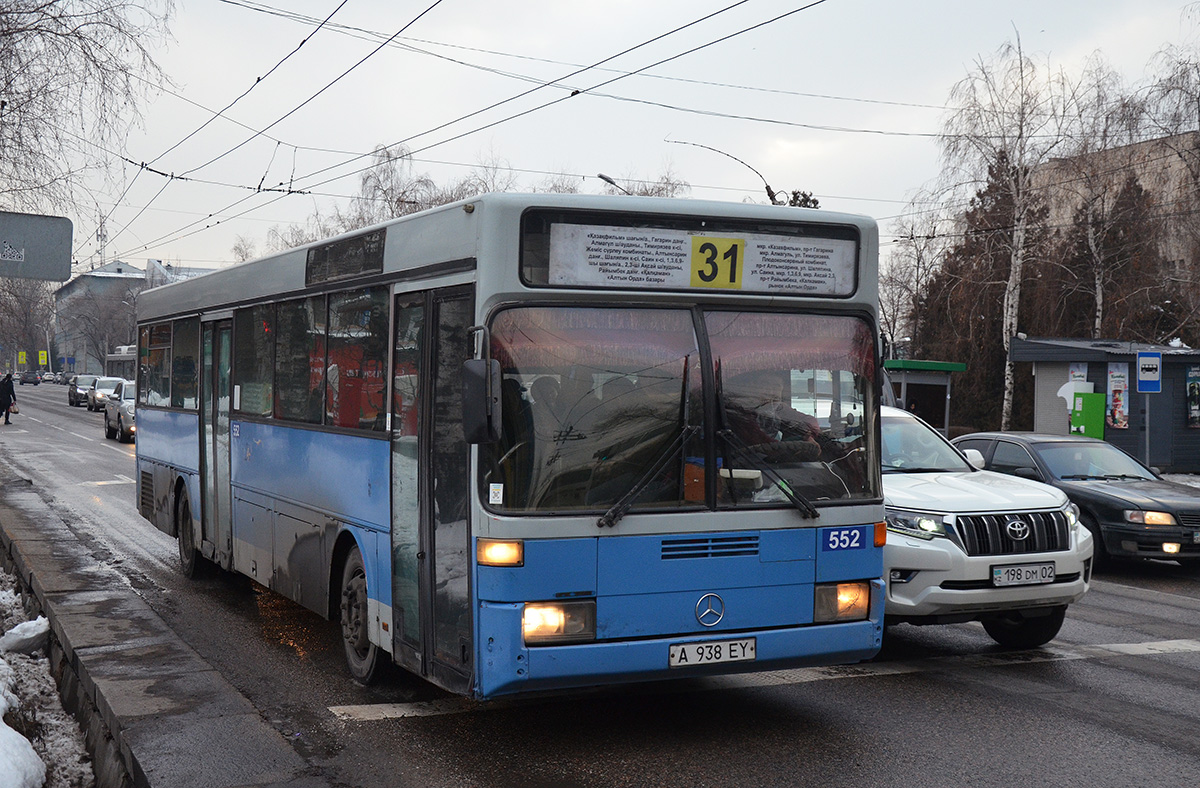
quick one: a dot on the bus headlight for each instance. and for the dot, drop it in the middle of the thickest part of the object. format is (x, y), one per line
(841, 602)
(559, 622)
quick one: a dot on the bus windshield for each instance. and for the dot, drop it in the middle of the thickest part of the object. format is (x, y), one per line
(596, 398)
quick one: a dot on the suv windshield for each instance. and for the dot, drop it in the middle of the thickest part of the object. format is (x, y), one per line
(911, 446)
(603, 403)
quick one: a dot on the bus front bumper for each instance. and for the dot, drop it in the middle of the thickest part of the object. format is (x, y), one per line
(507, 666)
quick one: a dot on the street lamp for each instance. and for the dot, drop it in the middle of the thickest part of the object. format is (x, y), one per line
(613, 183)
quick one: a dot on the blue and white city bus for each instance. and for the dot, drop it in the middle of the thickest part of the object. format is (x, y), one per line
(531, 442)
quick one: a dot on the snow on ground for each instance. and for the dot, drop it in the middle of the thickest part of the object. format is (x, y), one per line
(41, 745)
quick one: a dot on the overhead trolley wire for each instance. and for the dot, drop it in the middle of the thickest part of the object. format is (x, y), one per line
(142, 166)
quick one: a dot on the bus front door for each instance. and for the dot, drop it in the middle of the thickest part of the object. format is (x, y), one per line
(431, 533)
(217, 535)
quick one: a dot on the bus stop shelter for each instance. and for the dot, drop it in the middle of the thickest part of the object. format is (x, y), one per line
(923, 388)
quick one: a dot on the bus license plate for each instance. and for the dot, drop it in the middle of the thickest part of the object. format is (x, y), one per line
(1022, 574)
(684, 655)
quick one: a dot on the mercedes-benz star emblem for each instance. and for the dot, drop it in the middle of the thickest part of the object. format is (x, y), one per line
(1017, 530)
(710, 610)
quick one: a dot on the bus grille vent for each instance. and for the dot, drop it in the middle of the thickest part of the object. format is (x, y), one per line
(146, 496)
(710, 547)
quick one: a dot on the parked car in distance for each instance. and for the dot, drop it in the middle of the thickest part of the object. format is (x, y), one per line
(969, 545)
(99, 392)
(77, 389)
(119, 412)
(30, 376)
(1131, 511)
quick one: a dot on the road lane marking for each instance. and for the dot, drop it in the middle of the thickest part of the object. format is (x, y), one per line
(779, 678)
(86, 438)
(119, 480)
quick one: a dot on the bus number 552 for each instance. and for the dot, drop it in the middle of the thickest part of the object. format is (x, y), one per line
(844, 539)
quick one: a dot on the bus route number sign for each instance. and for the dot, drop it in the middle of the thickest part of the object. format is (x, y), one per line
(718, 262)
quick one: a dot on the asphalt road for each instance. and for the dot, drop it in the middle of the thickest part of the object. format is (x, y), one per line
(1114, 701)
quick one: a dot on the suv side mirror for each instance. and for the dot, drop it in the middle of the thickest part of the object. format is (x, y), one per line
(975, 457)
(481, 400)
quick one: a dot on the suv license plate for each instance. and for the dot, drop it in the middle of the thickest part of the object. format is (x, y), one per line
(682, 655)
(1022, 574)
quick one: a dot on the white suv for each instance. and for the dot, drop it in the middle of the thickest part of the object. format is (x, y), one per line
(966, 545)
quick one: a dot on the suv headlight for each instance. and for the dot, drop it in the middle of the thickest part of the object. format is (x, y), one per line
(1072, 513)
(919, 524)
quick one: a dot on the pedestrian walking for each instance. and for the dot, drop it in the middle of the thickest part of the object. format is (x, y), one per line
(8, 396)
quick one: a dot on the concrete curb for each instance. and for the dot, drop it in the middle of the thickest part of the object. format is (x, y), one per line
(154, 713)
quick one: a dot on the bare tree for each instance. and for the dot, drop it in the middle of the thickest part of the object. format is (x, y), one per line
(667, 184)
(914, 259)
(72, 74)
(1083, 187)
(559, 183)
(104, 318)
(25, 308)
(1009, 111)
(243, 249)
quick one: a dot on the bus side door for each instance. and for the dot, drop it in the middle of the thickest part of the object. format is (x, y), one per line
(431, 529)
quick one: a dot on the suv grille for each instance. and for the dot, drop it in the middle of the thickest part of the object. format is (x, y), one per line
(987, 534)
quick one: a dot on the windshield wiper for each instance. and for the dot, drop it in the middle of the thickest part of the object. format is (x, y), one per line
(622, 507)
(737, 446)
(1080, 477)
(744, 453)
(894, 469)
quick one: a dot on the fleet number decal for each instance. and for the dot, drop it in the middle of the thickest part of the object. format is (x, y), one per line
(844, 539)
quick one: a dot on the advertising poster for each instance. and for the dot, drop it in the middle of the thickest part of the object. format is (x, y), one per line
(1193, 396)
(1077, 372)
(1117, 413)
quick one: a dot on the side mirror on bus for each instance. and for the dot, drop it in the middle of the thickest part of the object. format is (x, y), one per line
(481, 400)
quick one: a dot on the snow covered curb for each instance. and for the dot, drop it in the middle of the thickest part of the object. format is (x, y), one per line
(41, 745)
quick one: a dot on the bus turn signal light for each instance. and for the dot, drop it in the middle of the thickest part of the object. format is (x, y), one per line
(500, 552)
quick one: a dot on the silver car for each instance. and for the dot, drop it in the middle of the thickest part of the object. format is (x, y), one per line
(119, 412)
(99, 392)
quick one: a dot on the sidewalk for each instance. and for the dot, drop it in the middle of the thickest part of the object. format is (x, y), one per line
(155, 714)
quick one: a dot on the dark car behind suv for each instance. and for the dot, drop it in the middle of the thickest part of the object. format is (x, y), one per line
(1130, 510)
(77, 389)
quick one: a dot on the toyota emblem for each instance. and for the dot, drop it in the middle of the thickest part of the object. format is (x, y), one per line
(1017, 530)
(710, 610)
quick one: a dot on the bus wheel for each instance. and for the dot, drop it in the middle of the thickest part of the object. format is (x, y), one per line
(189, 557)
(362, 657)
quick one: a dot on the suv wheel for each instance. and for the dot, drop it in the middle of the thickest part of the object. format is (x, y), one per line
(1016, 631)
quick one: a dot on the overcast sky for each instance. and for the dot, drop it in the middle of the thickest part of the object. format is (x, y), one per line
(839, 98)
